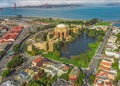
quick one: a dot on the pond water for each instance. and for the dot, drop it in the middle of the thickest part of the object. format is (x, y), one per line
(117, 25)
(77, 47)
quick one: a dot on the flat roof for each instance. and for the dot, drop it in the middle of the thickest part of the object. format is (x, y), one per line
(3, 45)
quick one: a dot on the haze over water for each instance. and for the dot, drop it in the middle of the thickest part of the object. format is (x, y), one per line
(85, 12)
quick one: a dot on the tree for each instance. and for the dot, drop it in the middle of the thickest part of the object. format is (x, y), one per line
(6, 73)
(81, 77)
(73, 34)
(44, 37)
(58, 45)
(91, 45)
(101, 32)
(118, 37)
(16, 61)
(92, 21)
(1, 52)
(92, 33)
(33, 53)
(34, 83)
(56, 53)
(92, 78)
(24, 47)
(16, 48)
(51, 36)
(65, 76)
(100, 38)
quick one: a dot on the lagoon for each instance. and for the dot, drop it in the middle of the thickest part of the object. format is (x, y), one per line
(78, 46)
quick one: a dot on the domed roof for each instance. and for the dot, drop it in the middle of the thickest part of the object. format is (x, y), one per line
(61, 25)
(6, 19)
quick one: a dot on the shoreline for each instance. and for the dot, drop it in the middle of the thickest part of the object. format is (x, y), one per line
(68, 19)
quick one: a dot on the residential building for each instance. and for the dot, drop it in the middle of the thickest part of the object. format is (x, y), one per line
(117, 55)
(12, 34)
(105, 65)
(55, 68)
(24, 74)
(7, 83)
(103, 79)
(38, 61)
(61, 82)
(74, 74)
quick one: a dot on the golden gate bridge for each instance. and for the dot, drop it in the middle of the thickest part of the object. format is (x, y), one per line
(1, 9)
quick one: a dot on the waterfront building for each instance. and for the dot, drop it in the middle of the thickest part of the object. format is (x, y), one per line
(61, 31)
(42, 45)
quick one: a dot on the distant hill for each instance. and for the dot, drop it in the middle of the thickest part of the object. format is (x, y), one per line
(53, 6)
(113, 4)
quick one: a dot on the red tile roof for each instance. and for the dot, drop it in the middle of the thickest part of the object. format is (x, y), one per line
(106, 63)
(37, 60)
(103, 74)
(12, 34)
(10, 40)
(104, 68)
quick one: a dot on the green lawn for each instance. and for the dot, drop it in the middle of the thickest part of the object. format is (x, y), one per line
(104, 23)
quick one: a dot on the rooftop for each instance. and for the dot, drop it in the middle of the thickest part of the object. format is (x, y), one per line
(12, 34)
(102, 79)
(106, 63)
(7, 83)
(61, 82)
(3, 45)
(38, 59)
(75, 71)
(61, 25)
(104, 68)
(24, 74)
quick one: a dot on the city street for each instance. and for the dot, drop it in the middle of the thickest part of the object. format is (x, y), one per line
(20, 40)
(94, 63)
(5, 59)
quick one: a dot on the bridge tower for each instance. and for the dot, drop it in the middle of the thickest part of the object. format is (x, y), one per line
(14, 5)
(46, 4)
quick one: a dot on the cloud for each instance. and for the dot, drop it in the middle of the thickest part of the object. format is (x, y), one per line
(4, 3)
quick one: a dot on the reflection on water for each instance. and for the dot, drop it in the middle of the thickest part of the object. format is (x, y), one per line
(78, 46)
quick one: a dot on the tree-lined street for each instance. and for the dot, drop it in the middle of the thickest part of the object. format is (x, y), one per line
(94, 64)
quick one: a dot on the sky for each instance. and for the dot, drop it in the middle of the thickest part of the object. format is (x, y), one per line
(10, 3)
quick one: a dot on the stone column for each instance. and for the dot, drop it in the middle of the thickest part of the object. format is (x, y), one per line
(56, 34)
(61, 35)
(66, 34)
